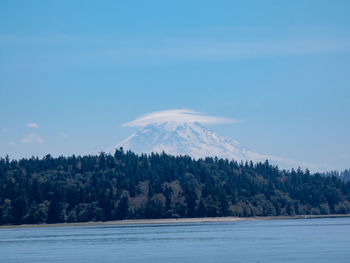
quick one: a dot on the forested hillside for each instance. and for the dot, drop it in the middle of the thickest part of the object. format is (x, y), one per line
(127, 186)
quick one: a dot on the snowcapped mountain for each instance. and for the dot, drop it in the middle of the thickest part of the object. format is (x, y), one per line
(186, 138)
(180, 132)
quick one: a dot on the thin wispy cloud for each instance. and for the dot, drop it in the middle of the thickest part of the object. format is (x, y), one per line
(187, 50)
(63, 135)
(4, 130)
(32, 125)
(177, 115)
(32, 138)
(184, 49)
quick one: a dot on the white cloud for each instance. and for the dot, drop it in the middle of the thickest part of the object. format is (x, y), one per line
(32, 125)
(32, 138)
(63, 134)
(179, 115)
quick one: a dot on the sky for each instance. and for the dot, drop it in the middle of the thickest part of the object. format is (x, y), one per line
(73, 72)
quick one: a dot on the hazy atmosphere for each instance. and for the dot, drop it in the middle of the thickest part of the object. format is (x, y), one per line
(274, 75)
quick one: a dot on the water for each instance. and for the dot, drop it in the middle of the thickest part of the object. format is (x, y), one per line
(303, 240)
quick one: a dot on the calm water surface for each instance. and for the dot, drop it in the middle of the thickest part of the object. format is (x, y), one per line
(302, 240)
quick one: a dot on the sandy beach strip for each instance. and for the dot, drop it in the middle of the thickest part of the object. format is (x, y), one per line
(175, 221)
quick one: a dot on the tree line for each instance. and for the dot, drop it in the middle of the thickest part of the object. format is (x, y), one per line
(130, 186)
(344, 175)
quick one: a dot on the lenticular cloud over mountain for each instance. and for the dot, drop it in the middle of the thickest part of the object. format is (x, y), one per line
(182, 132)
(176, 116)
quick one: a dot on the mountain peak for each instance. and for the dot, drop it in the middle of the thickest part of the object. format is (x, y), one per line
(185, 138)
(181, 132)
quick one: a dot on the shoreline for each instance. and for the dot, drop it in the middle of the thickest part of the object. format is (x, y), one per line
(175, 221)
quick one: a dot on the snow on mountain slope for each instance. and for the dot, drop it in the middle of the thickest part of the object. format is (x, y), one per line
(180, 132)
(186, 138)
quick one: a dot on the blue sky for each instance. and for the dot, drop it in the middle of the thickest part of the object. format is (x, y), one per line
(77, 70)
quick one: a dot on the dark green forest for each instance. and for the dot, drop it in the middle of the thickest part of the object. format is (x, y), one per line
(130, 186)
